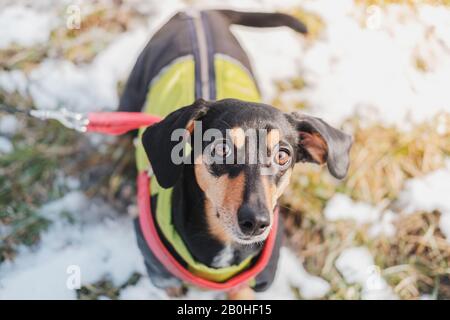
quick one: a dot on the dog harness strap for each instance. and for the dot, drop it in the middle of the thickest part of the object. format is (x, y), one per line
(158, 248)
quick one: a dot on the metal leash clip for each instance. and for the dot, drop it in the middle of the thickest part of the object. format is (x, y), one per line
(69, 119)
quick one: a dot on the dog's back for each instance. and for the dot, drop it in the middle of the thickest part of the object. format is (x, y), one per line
(195, 55)
(204, 58)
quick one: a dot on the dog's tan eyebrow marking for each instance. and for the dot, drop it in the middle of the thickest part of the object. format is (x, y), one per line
(237, 136)
(273, 138)
(190, 126)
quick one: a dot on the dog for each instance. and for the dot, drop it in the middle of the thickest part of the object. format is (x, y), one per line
(194, 73)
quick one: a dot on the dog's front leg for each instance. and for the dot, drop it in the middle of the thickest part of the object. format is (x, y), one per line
(241, 293)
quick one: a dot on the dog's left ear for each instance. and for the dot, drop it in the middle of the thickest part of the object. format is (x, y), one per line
(158, 144)
(320, 143)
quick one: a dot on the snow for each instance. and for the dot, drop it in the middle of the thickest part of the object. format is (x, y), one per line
(352, 264)
(93, 87)
(70, 182)
(427, 193)
(15, 80)
(371, 71)
(357, 266)
(291, 274)
(100, 243)
(72, 202)
(23, 26)
(6, 145)
(9, 125)
(342, 207)
(384, 226)
(444, 224)
(266, 71)
(56, 83)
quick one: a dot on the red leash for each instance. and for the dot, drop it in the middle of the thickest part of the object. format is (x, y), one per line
(116, 123)
(113, 123)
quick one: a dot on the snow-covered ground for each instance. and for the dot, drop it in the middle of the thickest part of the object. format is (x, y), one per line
(29, 27)
(364, 63)
(357, 266)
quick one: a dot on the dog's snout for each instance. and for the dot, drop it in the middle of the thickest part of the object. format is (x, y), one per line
(253, 222)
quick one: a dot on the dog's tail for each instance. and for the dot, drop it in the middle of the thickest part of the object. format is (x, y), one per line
(263, 20)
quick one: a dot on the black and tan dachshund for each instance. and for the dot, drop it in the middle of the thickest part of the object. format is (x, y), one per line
(195, 73)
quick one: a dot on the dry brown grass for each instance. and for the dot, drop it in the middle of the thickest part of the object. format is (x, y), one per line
(99, 26)
(382, 159)
(417, 259)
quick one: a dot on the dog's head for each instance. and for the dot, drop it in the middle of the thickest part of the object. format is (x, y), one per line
(242, 155)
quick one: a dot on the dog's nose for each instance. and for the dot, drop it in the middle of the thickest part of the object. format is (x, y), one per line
(253, 222)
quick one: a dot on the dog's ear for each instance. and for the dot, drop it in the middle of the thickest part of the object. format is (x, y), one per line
(320, 143)
(158, 144)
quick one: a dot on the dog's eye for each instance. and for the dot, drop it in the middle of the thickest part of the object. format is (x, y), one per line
(282, 157)
(222, 149)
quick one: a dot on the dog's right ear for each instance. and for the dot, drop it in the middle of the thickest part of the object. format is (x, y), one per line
(158, 144)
